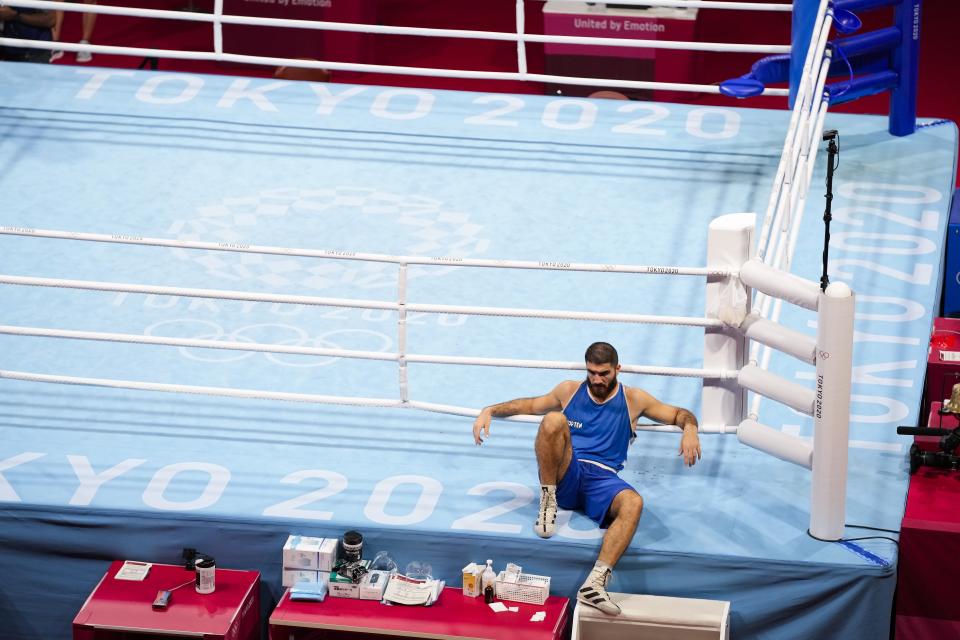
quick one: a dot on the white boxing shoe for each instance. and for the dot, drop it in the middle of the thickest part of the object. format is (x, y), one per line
(594, 593)
(546, 523)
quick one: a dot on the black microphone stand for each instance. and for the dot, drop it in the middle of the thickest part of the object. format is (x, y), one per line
(833, 150)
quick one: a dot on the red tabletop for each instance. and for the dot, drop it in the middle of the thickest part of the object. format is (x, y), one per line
(934, 493)
(124, 605)
(452, 616)
(928, 591)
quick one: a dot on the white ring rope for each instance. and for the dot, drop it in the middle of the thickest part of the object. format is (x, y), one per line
(795, 181)
(708, 4)
(639, 43)
(217, 18)
(367, 257)
(200, 390)
(201, 17)
(791, 203)
(250, 296)
(678, 372)
(402, 307)
(256, 394)
(781, 223)
(375, 68)
(218, 26)
(402, 332)
(472, 413)
(520, 15)
(801, 108)
(198, 343)
(794, 233)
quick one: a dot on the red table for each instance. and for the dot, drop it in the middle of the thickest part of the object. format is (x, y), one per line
(116, 608)
(452, 616)
(928, 590)
(943, 362)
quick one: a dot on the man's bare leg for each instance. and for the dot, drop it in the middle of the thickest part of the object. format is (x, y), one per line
(553, 448)
(554, 453)
(625, 512)
(89, 21)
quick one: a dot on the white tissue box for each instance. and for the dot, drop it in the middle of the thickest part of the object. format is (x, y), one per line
(327, 554)
(303, 552)
(293, 576)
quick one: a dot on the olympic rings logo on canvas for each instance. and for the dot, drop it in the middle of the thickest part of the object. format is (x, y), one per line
(326, 219)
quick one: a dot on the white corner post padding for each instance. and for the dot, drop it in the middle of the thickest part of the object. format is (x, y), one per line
(831, 418)
(770, 385)
(779, 284)
(775, 335)
(776, 443)
(730, 243)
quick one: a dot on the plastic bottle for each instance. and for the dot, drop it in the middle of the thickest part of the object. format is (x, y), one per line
(488, 580)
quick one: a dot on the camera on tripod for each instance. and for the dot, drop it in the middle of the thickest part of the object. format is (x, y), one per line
(946, 457)
(943, 459)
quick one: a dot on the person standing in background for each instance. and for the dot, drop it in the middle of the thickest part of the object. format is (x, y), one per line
(86, 35)
(26, 24)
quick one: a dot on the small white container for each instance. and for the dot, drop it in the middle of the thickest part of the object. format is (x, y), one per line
(206, 575)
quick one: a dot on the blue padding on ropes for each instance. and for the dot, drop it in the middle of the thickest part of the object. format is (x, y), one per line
(771, 69)
(866, 85)
(743, 87)
(869, 42)
(863, 5)
(764, 71)
(846, 21)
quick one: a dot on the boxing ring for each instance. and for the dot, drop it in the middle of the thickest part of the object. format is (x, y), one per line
(357, 249)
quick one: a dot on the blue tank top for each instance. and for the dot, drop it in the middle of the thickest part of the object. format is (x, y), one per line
(599, 432)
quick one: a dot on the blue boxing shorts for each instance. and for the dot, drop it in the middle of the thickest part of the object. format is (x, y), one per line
(590, 489)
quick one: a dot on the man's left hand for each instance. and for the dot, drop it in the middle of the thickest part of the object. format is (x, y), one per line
(690, 447)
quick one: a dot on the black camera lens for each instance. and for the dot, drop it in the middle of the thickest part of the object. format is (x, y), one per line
(351, 546)
(914, 458)
(936, 459)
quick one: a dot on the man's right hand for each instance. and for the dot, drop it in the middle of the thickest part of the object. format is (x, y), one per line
(482, 425)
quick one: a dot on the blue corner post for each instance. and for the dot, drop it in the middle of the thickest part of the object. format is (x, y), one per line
(904, 59)
(906, 62)
(804, 15)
